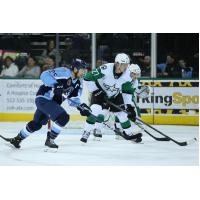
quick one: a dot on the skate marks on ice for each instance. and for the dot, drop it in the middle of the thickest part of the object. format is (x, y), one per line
(108, 151)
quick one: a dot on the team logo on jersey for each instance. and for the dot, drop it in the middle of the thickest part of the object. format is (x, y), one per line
(111, 88)
(77, 85)
(68, 91)
(69, 81)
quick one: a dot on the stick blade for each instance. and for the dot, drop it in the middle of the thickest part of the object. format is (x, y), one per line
(4, 138)
(192, 141)
(162, 139)
(189, 142)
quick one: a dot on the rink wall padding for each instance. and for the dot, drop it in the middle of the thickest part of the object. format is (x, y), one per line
(171, 102)
(186, 120)
(12, 117)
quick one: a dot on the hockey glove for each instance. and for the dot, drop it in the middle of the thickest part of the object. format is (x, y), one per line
(84, 109)
(99, 92)
(131, 110)
(101, 95)
(143, 91)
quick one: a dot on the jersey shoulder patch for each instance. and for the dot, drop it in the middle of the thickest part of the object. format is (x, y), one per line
(107, 68)
(62, 73)
(103, 67)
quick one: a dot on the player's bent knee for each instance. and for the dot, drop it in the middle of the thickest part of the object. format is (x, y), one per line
(33, 126)
(62, 119)
(122, 116)
(96, 109)
(44, 122)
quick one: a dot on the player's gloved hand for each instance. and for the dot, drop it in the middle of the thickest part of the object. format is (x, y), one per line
(131, 110)
(74, 101)
(143, 91)
(102, 96)
(58, 88)
(84, 109)
(99, 92)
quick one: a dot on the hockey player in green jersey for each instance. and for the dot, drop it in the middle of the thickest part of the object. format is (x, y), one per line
(130, 101)
(129, 104)
(108, 82)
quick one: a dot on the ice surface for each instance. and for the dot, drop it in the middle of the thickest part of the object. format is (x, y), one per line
(108, 151)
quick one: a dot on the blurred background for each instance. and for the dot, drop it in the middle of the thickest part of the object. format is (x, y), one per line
(164, 55)
(169, 63)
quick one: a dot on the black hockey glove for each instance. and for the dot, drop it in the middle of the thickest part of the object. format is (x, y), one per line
(84, 109)
(99, 93)
(131, 110)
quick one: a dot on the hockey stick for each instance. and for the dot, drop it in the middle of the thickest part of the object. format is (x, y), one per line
(140, 126)
(175, 141)
(4, 138)
(154, 137)
(97, 119)
(178, 143)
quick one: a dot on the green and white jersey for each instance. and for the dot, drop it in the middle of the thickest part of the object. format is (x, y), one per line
(131, 99)
(128, 99)
(105, 79)
(135, 83)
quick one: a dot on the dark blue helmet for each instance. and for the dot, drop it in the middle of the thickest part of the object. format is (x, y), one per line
(78, 64)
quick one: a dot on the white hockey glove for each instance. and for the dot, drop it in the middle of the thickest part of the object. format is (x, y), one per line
(143, 91)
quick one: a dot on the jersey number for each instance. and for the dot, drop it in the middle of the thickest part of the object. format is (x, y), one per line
(95, 72)
(53, 72)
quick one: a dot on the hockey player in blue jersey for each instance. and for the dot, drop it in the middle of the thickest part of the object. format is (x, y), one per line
(49, 98)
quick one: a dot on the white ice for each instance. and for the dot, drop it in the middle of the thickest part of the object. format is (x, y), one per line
(108, 151)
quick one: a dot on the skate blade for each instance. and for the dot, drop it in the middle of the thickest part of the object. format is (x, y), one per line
(83, 143)
(50, 150)
(97, 139)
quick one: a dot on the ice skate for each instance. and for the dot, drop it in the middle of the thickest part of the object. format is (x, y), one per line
(85, 136)
(97, 134)
(50, 144)
(16, 141)
(13, 141)
(117, 133)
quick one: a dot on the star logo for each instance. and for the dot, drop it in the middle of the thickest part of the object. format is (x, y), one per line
(111, 88)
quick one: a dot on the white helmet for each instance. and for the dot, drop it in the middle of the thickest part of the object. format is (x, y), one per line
(134, 68)
(122, 58)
